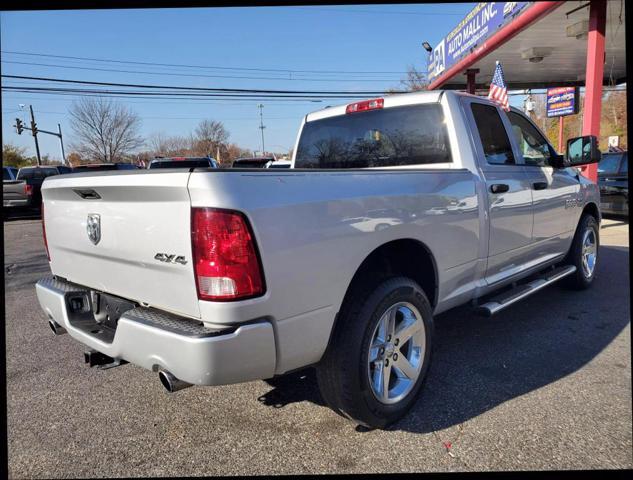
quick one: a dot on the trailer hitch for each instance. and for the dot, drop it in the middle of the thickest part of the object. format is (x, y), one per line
(97, 359)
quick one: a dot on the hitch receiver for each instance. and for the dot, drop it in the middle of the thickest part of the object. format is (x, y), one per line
(97, 359)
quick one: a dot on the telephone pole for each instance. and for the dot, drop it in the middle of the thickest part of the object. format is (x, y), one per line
(61, 142)
(261, 124)
(34, 132)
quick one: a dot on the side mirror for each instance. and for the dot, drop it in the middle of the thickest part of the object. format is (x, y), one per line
(582, 151)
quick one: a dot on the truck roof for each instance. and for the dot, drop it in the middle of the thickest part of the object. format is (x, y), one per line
(394, 100)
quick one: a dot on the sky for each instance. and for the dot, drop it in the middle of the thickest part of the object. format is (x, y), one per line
(272, 45)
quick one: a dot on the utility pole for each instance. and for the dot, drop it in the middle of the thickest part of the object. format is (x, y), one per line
(34, 132)
(61, 142)
(261, 124)
(19, 126)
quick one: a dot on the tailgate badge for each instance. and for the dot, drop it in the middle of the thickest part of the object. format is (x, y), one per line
(93, 227)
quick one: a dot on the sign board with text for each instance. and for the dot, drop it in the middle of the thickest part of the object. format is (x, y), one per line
(480, 23)
(562, 101)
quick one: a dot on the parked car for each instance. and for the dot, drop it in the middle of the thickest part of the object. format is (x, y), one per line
(214, 277)
(24, 191)
(613, 174)
(9, 173)
(183, 162)
(252, 162)
(278, 164)
(100, 167)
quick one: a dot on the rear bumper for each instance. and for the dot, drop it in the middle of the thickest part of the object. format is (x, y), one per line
(16, 202)
(154, 340)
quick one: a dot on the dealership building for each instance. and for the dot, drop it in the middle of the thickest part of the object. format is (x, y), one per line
(556, 45)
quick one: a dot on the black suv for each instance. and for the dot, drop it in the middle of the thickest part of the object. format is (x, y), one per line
(613, 173)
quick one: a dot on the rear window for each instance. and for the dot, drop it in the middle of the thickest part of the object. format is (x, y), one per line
(409, 135)
(93, 168)
(255, 163)
(181, 164)
(36, 173)
(6, 175)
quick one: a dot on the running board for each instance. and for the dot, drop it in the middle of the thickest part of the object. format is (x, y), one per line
(506, 299)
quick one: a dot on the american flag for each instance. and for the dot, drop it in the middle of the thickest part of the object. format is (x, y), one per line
(498, 91)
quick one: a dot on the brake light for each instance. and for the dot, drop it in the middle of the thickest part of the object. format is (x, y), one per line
(48, 255)
(28, 189)
(226, 264)
(179, 159)
(365, 105)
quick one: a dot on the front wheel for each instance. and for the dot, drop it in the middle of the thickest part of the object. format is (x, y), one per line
(380, 352)
(583, 253)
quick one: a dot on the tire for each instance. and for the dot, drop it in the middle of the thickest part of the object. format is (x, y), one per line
(587, 230)
(343, 375)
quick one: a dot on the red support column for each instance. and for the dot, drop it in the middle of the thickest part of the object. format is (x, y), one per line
(561, 135)
(470, 80)
(593, 77)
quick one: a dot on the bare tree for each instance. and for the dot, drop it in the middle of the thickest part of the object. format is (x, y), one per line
(414, 81)
(169, 145)
(104, 130)
(210, 135)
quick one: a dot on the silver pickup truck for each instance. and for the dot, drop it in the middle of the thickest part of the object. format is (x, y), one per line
(395, 209)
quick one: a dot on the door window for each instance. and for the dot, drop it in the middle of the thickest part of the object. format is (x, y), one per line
(494, 139)
(532, 144)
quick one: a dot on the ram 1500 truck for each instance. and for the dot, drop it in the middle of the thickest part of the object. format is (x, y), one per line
(395, 209)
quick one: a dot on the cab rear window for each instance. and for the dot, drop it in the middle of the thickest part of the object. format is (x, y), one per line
(408, 135)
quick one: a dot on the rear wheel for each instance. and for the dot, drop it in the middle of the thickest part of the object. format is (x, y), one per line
(583, 253)
(380, 352)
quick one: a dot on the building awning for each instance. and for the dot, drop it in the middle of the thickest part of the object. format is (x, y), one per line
(545, 32)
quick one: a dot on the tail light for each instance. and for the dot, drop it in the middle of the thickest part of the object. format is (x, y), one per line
(28, 189)
(365, 105)
(48, 255)
(226, 263)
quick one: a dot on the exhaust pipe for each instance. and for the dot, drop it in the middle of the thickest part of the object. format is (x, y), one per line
(171, 383)
(56, 327)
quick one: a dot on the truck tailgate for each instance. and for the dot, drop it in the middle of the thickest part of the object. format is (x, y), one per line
(140, 214)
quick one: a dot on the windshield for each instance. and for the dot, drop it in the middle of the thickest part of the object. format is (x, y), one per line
(194, 163)
(609, 163)
(408, 135)
(36, 173)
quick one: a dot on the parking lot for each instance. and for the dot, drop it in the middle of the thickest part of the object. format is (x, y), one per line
(545, 384)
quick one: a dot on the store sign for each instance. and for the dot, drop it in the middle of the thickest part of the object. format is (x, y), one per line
(482, 21)
(562, 101)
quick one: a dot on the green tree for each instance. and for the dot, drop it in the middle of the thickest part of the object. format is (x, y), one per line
(14, 156)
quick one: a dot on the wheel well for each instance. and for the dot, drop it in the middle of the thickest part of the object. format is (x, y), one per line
(592, 209)
(406, 257)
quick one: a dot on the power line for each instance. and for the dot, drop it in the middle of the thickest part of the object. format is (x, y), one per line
(168, 87)
(74, 67)
(382, 12)
(124, 94)
(212, 67)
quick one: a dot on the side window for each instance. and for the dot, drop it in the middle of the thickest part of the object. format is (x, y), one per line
(624, 166)
(532, 144)
(492, 133)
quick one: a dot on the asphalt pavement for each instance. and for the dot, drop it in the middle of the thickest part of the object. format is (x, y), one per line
(545, 384)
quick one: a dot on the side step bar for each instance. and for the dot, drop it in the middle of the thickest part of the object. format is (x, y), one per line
(498, 303)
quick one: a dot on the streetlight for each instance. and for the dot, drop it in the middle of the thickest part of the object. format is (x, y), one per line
(429, 51)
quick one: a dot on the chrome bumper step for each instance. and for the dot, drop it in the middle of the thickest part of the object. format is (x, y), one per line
(504, 300)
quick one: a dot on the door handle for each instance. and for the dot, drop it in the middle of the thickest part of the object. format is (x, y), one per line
(539, 185)
(499, 187)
